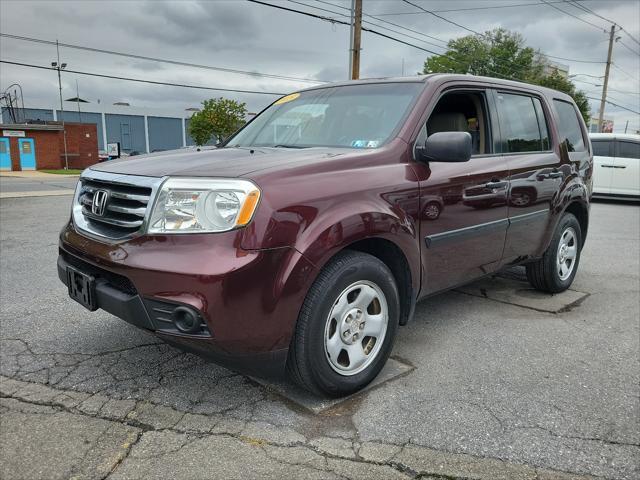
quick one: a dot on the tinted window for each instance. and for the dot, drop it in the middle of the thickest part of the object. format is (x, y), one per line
(602, 148)
(569, 127)
(519, 123)
(628, 149)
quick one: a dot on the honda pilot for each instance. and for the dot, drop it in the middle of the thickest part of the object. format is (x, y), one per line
(301, 244)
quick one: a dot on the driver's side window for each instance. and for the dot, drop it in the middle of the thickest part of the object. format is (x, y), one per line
(461, 111)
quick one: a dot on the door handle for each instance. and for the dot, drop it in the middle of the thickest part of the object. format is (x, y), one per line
(607, 166)
(496, 184)
(619, 166)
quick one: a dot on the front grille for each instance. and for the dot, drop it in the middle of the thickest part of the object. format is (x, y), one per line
(125, 200)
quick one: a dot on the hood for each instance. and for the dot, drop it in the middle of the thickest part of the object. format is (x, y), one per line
(216, 162)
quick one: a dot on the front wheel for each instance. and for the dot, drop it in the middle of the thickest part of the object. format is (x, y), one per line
(557, 268)
(346, 327)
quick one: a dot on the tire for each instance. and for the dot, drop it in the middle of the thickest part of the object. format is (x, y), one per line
(547, 273)
(320, 360)
(522, 198)
(432, 211)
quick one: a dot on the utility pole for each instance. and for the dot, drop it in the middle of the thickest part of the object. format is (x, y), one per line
(355, 45)
(612, 34)
(60, 66)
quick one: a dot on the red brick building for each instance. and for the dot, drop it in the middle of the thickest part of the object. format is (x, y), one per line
(41, 146)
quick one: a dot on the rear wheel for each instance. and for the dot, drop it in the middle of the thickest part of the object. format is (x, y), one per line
(346, 327)
(557, 268)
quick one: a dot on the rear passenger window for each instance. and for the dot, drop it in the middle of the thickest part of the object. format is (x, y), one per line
(628, 149)
(602, 148)
(519, 124)
(569, 127)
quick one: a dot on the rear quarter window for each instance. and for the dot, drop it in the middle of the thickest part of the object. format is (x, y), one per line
(569, 126)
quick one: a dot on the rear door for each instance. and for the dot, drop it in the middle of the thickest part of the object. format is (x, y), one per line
(603, 164)
(626, 168)
(535, 170)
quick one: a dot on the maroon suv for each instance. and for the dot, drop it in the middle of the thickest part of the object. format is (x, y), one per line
(305, 240)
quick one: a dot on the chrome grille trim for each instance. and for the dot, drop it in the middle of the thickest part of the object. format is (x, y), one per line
(128, 205)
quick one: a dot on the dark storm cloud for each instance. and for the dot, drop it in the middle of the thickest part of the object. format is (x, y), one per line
(241, 35)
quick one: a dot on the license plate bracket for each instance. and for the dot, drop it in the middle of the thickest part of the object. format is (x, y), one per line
(82, 288)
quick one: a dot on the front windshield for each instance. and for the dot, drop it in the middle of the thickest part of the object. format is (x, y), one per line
(355, 116)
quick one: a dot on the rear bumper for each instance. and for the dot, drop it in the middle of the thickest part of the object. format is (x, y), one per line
(248, 300)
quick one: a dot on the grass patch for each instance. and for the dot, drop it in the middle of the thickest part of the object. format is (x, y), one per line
(62, 171)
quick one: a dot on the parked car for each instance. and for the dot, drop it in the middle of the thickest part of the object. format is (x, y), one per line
(302, 249)
(616, 165)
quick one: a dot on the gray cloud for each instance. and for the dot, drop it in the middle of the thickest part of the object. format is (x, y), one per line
(241, 35)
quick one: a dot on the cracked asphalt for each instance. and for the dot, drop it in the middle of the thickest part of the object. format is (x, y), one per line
(499, 391)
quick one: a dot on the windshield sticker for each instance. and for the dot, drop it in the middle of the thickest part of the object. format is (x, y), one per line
(365, 143)
(286, 99)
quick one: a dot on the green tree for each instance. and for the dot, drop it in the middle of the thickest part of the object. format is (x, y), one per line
(502, 54)
(562, 84)
(219, 118)
(498, 53)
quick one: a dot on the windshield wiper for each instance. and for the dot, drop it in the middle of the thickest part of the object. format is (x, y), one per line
(287, 146)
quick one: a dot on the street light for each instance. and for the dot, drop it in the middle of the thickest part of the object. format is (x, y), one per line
(59, 67)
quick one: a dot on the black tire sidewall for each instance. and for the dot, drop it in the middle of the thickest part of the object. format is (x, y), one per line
(365, 267)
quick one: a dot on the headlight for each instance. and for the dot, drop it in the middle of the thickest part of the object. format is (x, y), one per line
(199, 205)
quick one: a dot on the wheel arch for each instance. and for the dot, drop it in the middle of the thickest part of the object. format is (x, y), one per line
(394, 258)
(581, 211)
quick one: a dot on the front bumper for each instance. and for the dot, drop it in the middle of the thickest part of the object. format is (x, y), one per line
(248, 300)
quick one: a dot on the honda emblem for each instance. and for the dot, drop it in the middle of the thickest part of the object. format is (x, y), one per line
(99, 204)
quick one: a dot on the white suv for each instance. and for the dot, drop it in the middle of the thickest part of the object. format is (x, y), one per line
(616, 165)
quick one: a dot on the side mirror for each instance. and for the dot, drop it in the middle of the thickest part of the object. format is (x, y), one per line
(447, 147)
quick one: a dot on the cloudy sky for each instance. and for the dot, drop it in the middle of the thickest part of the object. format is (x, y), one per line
(246, 36)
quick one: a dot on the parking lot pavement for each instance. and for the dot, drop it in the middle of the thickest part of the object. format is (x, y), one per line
(34, 186)
(499, 391)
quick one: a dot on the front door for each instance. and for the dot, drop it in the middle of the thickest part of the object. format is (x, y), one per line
(465, 240)
(27, 154)
(5, 154)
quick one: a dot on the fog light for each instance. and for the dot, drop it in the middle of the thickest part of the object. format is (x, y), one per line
(186, 320)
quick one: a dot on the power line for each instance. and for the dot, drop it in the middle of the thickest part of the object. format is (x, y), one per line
(625, 72)
(629, 48)
(161, 60)
(608, 20)
(573, 59)
(341, 22)
(140, 80)
(444, 42)
(443, 18)
(585, 75)
(469, 8)
(488, 36)
(574, 16)
(370, 23)
(615, 105)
